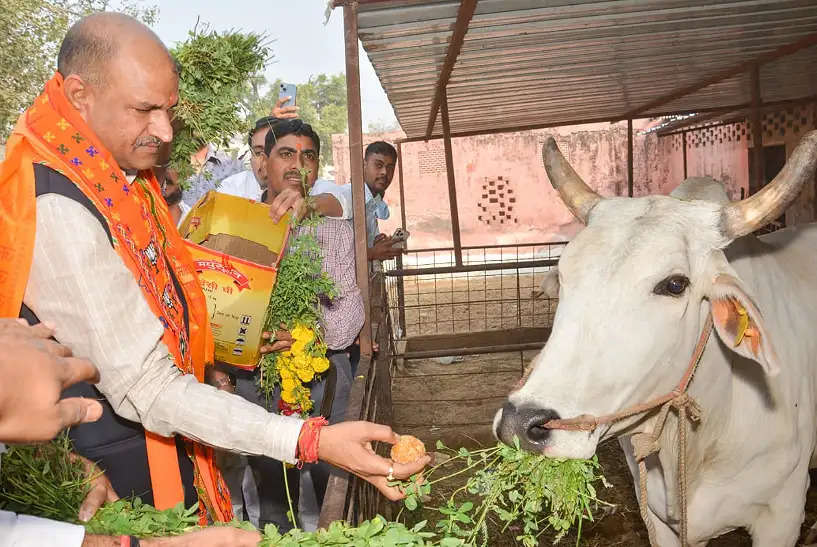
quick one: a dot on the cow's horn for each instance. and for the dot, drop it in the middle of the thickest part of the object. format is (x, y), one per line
(578, 197)
(746, 216)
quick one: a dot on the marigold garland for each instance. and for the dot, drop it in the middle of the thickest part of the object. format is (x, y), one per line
(295, 304)
(299, 365)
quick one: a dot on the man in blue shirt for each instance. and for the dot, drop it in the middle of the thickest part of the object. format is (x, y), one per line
(379, 162)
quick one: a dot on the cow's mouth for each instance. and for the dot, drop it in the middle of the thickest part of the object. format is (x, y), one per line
(528, 426)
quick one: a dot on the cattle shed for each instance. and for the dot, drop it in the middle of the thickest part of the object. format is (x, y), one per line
(463, 68)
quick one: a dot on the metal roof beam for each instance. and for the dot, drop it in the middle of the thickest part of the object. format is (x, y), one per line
(464, 15)
(728, 115)
(788, 49)
(673, 127)
(770, 106)
(502, 130)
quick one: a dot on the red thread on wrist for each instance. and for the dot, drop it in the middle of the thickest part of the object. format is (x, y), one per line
(308, 440)
(124, 541)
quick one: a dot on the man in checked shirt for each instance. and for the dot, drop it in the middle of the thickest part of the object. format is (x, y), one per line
(292, 145)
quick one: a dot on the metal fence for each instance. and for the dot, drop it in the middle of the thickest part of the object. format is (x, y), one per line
(348, 497)
(492, 289)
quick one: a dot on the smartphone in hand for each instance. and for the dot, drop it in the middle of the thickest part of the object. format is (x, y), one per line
(288, 90)
(399, 238)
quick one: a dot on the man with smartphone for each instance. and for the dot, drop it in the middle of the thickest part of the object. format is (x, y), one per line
(379, 162)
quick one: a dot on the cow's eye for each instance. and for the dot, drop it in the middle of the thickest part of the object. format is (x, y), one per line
(674, 285)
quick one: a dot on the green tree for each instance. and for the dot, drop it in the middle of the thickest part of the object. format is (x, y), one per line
(30, 36)
(256, 102)
(321, 101)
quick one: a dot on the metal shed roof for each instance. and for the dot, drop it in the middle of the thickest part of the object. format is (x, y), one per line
(535, 63)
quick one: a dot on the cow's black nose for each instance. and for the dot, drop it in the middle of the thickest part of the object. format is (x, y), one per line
(527, 424)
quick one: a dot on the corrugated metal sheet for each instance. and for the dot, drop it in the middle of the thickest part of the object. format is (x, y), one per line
(538, 62)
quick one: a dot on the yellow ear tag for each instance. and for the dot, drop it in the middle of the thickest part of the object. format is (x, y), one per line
(743, 323)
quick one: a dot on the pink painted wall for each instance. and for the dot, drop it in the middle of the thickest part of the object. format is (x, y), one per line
(503, 193)
(723, 153)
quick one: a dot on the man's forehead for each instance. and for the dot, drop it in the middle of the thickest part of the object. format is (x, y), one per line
(301, 142)
(260, 136)
(376, 156)
(152, 89)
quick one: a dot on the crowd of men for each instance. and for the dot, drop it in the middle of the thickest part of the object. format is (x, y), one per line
(94, 263)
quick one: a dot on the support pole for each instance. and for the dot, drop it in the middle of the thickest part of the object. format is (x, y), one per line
(401, 288)
(630, 157)
(400, 184)
(684, 147)
(452, 187)
(356, 165)
(759, 175)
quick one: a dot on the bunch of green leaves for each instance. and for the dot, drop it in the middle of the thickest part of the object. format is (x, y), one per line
(216, 71)
(377, 532)
(509, 485)
(299, 285)
(43, 480)
(132, 517)
(46, 480)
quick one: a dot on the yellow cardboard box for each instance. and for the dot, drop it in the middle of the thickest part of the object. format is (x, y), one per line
(238, 281)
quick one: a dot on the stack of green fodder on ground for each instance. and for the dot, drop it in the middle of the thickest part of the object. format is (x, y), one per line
(505, 487)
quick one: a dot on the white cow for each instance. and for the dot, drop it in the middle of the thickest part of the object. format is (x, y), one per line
(635, 287)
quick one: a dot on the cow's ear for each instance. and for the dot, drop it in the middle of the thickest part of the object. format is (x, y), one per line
(739, 323)
(549, 287)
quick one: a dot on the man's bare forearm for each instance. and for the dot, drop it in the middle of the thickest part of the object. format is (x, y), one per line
(327, 205)
(93, 540)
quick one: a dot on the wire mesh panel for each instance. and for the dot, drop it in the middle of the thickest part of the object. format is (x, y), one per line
(493, 289)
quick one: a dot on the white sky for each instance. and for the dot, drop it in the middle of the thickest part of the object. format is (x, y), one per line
(302, 45)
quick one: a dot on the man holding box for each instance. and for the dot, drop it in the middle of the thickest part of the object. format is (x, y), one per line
(111, 274)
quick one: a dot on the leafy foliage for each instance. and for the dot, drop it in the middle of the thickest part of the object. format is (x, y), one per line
(383, 126)
(43, 480)
(216, 71)
(134, 518)
(377, 532)
(321, 101)
(30, 35)
(299, 283)
(509, 486)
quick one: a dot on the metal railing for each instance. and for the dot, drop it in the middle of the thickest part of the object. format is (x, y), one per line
(492, 290)
(422, 293)
(348, 497)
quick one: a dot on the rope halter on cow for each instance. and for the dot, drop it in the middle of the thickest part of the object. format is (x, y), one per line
(645, 444)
